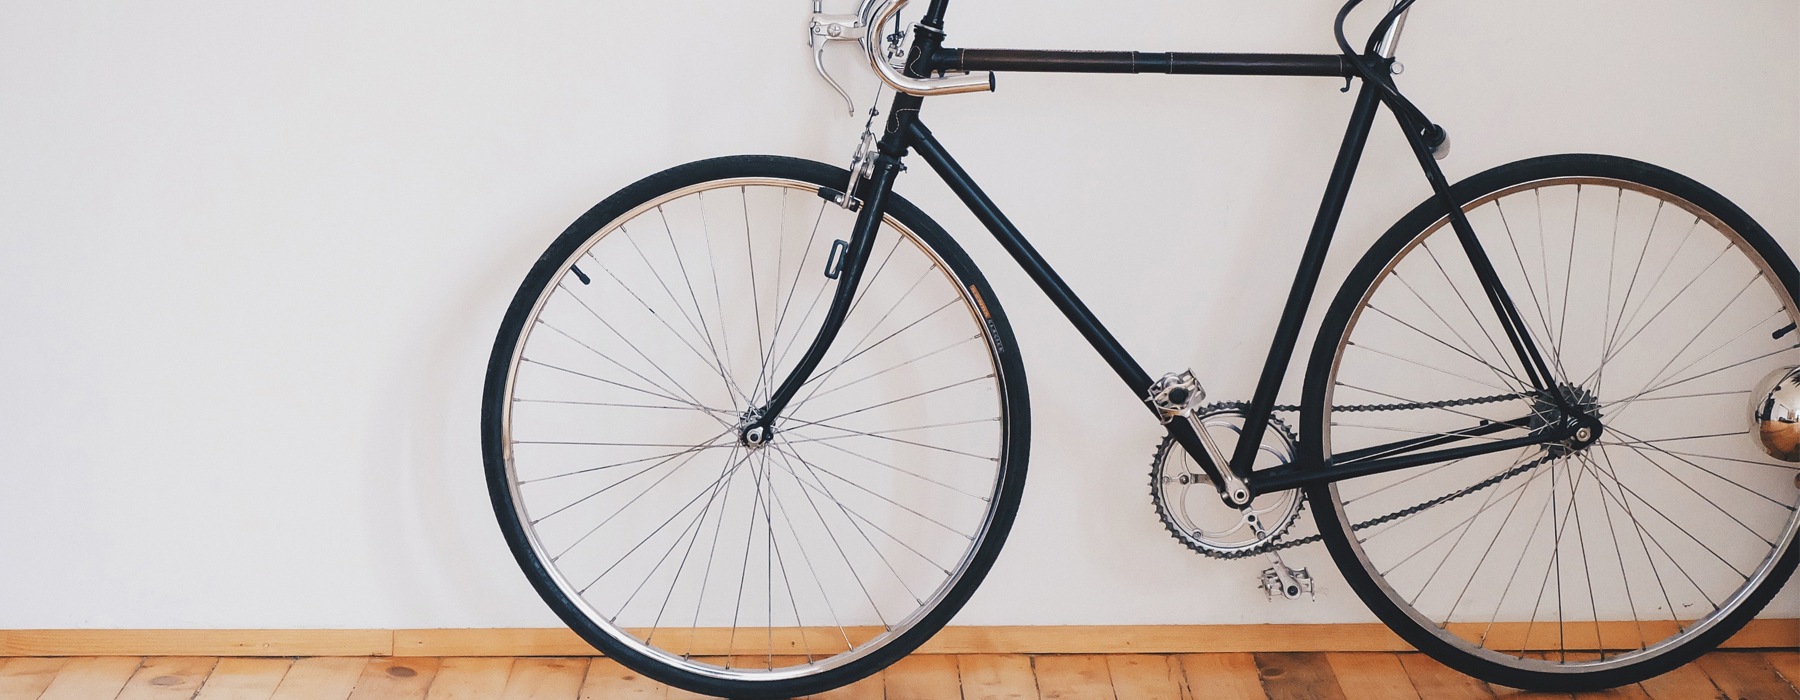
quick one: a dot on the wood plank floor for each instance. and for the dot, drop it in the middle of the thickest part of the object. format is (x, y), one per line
(1276, 676)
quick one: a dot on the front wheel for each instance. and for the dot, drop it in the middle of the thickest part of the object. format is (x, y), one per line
(1600, 559)
(645, 339)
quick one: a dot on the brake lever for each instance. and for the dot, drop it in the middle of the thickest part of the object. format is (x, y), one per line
(825, 29)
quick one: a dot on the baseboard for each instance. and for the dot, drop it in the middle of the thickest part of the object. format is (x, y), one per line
(1100, 639)
(196, 643)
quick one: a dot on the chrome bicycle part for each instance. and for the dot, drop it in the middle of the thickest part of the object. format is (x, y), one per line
(1179, 395)
(862, 162)
(1390, 42)
(1188, 501)
(1280, 580)
(898, 80)
(824, 29)
(1775, 414)
(1176, 394)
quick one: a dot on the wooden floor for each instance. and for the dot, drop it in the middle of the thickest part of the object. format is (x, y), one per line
(925, 677)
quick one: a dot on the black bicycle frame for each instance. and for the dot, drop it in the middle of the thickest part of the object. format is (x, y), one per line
(905, 132)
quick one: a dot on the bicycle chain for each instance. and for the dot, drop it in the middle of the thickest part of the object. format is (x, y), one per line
(1279, 545)
(1446, 403)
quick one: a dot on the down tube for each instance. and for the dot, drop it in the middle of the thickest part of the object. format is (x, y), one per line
(1008, 235)
(983, 208)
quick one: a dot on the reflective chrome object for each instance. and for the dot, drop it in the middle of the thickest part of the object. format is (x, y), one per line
(946, 85)
(1391, 41)
(1179, 395)
(1279, 580)
(1775, 414)
(1176, 395)
(1187, 500)
(825, 29)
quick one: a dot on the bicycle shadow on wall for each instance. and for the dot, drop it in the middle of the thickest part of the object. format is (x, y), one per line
(421, 499)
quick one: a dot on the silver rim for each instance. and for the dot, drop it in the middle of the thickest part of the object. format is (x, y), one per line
(710, 556)
(1649, 308)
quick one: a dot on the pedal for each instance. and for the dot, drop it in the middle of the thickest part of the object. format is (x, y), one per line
(1279, 580)
(1176, 395)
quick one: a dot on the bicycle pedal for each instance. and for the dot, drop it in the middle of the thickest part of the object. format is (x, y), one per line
(1176, 395)
(1279, 580)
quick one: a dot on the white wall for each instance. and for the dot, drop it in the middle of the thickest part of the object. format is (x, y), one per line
(252, 256)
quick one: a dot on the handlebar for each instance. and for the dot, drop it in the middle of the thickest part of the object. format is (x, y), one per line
(898, 80)
(1386, 37)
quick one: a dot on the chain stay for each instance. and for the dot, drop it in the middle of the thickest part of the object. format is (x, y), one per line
(1279, 545)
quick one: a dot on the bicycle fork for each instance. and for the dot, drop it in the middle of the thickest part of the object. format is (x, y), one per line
(758, 426)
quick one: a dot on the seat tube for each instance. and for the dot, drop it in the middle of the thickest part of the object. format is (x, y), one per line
(1293, 314)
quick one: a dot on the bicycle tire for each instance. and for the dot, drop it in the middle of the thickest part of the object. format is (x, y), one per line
(695, 207)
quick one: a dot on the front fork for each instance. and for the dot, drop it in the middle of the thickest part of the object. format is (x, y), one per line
(873, 192)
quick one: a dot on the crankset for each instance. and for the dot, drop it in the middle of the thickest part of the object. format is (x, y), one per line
(1188, 502)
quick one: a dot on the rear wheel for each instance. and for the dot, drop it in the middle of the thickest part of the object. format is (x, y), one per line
(649, 334)
(1659, 307)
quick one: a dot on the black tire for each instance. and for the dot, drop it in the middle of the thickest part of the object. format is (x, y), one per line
(1459, 640)
(821, 670)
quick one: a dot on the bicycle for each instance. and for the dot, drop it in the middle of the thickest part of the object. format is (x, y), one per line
(864, 423)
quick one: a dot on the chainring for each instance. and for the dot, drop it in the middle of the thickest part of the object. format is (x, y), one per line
(1188, 503)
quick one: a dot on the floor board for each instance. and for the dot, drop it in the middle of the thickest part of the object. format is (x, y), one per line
(1439, 682)
(1222, 676)
(470, 679)
(396, 679)
(1226, 676)
(1685, 683)
(92, 678)
(25, 679)
(1787, 663)
(607, 680)
(1298, 676)
(997, 677)
(922, 677)
(545, 679)
(320, 678)
(1073, 677)
(1745, 676)
(1141, 677)
(1371, 676)
(168, 678)
(245, 679)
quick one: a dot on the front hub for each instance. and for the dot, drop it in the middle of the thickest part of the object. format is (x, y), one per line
(752, 434)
